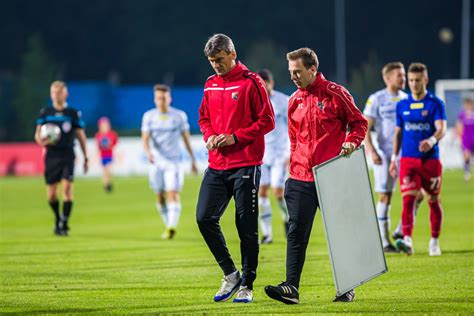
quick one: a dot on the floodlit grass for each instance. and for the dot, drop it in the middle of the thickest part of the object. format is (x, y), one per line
(115, 262)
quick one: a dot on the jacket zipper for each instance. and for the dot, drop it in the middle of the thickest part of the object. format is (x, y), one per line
(312, 131)
(223, 118)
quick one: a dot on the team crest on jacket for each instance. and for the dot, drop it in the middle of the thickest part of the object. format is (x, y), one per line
(235, 95)
(66, 126)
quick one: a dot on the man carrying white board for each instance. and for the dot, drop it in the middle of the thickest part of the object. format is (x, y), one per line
(320, 113)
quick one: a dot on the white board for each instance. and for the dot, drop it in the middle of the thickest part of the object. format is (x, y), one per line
(350, 220)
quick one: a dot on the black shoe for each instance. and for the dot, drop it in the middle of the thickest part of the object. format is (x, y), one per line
(108, 188)
(64, 228)
(346, 297)
(58, 231)
(390, 249)
(283, 292)
(396, 235)
(266, 240)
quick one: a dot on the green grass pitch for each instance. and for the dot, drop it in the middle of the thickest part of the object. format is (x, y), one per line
(115, 262)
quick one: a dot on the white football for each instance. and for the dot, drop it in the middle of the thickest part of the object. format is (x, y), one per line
(50, 132)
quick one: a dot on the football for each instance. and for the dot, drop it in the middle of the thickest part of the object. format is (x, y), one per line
(50, 132)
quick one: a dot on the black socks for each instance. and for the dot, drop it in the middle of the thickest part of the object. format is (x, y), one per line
(55, 207)
(67, 209)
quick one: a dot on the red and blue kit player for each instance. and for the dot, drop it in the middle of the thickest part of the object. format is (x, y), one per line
(106, 139)
(465, 129)
(421, 123)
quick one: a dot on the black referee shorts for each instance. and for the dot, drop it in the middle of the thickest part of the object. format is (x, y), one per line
(58, 167)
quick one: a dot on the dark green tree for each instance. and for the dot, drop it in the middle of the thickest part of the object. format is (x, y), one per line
(37, 72)
(366, 79)
(265, 53)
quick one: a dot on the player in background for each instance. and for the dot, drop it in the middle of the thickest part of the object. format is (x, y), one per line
(162, 128)
(380, 111)
(275, 160)
(421, 123)
(106, 139)
(59, 157)
(465, 130)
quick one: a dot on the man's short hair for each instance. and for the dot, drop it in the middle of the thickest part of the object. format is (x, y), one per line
(418, 68)
(307, 56)
(265, 74)
(217, 43)
(468, 100)
(391, 66)
(58, 83)
(161, 87)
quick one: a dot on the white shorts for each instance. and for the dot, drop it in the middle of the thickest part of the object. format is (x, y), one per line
(165, 179)
(274, 173)
(383, 181)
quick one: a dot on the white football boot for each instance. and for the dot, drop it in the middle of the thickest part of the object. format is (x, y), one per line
(230, 285)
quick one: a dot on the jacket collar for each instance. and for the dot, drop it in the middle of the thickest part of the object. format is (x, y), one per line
(237, 70)
(315, 86)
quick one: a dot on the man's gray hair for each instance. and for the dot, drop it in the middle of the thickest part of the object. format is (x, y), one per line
(217, 43)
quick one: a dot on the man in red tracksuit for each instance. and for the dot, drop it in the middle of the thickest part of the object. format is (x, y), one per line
(323, 122)
(234, 116)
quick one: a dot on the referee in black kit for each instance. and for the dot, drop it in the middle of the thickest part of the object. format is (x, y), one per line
(59, 158)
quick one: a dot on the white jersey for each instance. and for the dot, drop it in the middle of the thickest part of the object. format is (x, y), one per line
(165, 132)
(381, 107)
(277, 141)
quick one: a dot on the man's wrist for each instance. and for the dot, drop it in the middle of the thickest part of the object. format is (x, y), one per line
(394, 157)
(432, 140)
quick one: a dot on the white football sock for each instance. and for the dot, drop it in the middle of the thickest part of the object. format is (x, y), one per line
(284, 210)
(265, 216)
(383, 216)
(434, 242)
(174, 212)
(408, 240)
(162, 209)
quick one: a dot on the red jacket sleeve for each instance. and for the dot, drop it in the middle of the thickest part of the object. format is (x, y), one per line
(355, 120)
(205, 119)
(262, 109)
(291, 128)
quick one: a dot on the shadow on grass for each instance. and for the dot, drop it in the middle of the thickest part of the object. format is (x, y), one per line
(121, 289)
(57, 311)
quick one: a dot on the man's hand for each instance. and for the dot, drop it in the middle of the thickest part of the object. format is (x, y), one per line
(393, 168)
(150, 158)
(211, 142)
(376, 158)
(225, 140)
(347, 148)
(427, 144)
(43, 142)
(194, 168)
(86, 164)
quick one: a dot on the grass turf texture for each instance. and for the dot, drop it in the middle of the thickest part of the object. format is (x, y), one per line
(115, 262)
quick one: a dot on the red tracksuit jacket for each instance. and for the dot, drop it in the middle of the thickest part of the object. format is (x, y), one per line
(238, 104)
(319, 118)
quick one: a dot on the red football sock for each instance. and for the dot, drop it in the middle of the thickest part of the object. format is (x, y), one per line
(407, 214)
(436, 218)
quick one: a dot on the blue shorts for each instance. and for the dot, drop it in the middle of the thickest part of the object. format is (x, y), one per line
(106, 161)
